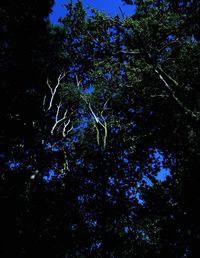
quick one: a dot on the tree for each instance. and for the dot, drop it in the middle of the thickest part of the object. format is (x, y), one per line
(162, 38)
(150, 53)
(123, 94)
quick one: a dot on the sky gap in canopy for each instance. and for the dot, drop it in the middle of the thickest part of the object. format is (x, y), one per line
(111, 7)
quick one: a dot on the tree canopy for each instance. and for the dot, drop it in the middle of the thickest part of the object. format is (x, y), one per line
(93, 110)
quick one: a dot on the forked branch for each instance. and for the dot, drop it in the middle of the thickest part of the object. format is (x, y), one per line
(53, 90)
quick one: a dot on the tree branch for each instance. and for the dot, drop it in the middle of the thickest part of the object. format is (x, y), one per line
(168, 44)
(187, 111)
(57, 120)
(53, 91)
(97, 119)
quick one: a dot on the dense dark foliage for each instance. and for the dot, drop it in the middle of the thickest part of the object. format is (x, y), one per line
(91, 111)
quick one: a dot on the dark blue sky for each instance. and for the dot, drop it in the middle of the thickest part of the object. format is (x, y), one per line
(111, 7)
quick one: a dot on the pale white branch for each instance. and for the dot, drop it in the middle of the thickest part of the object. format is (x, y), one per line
(44, 102)
(159, 96)
(98, 120)
(103, 124)
(94, 115)
(64, 127)
(78, 82)
(57, 120)
(194, 115)
(70, 129)
(53, 91)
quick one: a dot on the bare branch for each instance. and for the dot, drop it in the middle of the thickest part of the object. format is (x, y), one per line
(168, 44)
(168, 76)
(128, 52)
(160, 96)
(98, 120)
(64, 128)
(70, 129)
(194, 115)
(53, 91)
(94, 115)
(44, 102)
(105, 134)
(104, 107)
(57, 120)
(103, 124)
(78, 83)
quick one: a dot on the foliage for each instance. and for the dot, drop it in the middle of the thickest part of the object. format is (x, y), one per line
(121, 102)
